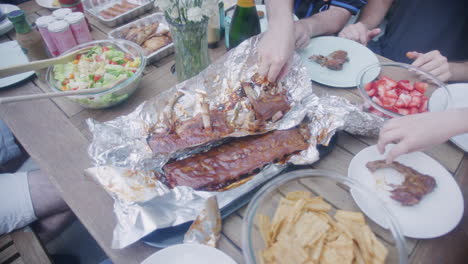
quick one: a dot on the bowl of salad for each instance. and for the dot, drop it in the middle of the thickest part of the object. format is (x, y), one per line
(116, 64)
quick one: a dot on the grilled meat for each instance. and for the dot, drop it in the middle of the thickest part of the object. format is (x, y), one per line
(270, 102)
(189, 133)
(334, 61)
(415, 186)
(233, 161)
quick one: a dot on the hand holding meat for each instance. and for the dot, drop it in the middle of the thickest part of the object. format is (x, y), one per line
(275, 50)
(417, 132)
(432, 62)
(359, 33)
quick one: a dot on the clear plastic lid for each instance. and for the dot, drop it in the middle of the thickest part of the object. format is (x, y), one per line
(44, 21)
(61, 13)
(58, 26)
(74, 17)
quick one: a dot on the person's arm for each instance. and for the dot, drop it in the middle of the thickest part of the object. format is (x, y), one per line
(324, 23)
(459, 71)
(276, 46)
(437, 64)
(417, 132)
(369, 19)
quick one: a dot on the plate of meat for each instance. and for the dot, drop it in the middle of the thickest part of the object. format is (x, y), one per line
(336, 61)
(415, 188)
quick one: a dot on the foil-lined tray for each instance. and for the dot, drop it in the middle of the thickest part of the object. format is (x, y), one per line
(125, 164)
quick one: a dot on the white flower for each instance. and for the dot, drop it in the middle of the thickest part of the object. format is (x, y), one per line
(195, 14)
(174, 13)
(164, 5)
(209, 7)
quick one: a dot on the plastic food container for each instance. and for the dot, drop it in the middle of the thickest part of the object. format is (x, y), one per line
(156, 17)
(398, 72)
(113, 95)
(95, 6)
(335, 190)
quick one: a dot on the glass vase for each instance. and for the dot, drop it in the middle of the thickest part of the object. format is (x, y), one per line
(191, 47)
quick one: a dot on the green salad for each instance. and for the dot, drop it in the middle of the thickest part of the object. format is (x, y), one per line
(99, 67)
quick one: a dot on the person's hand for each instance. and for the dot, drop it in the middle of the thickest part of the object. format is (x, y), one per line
(302, 34)
(275, 49)
(432, 62)
(359, 33)
(416, 132)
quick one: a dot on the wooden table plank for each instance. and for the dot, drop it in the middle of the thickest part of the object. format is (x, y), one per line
(63, 158)
(453, 247)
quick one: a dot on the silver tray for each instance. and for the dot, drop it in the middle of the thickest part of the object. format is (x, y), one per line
(93, 7)
(156, 17)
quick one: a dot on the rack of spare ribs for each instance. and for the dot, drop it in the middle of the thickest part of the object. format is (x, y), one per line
(239, 158)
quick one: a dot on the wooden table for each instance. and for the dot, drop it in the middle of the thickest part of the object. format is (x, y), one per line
(55, 134)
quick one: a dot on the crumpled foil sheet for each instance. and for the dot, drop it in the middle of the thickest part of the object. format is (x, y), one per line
(206, 229)
(124, 163)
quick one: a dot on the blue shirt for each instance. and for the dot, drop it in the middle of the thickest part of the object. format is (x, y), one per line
(423, 26)
(306, 8)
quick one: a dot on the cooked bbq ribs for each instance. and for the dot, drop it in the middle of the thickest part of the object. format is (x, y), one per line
(334, 61)
(415, 186)
(228, 163)
(270, 103)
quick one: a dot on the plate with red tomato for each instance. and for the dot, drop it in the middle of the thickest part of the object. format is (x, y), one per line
(399, 90)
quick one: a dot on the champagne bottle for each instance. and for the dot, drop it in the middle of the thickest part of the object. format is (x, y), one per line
(244, 24)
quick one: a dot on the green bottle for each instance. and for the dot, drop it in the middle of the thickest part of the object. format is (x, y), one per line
(244, 24)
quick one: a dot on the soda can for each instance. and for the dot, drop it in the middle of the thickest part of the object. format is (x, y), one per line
(79, 27)
(62, 35)
(42, 24)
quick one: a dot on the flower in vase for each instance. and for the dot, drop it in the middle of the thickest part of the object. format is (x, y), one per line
(195, 14)
(164, 5)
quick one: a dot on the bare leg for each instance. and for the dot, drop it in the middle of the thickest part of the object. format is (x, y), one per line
(51, 211)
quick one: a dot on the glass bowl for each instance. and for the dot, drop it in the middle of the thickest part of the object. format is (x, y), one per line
(113, 95)
(399, 72)
(334, 189)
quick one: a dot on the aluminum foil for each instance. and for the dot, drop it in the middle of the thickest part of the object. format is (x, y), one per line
(124, 163)
(206, 229)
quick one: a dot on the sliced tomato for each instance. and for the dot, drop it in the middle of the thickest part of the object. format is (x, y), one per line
(406, 98)
(415, 101)
(105, 48)
(377, 100)
(371, 92)
(399, 103)
(405, 85)
(98, 58)
(78, 57)
(416, 93)
(421, 87)
(423, 107)
(369, 86)
(388, 102)
(391, 94)
(112, 62)
(97, 78)
(389, 83)
(403, 111)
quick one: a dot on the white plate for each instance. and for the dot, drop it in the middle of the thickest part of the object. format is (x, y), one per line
(359, 58)
(6, 25)
(435, 215)
(47, 4)
(11, 54)
(459, 93)
(189, 254)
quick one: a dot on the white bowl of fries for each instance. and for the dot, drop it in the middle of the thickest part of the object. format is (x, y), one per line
(309, 216)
